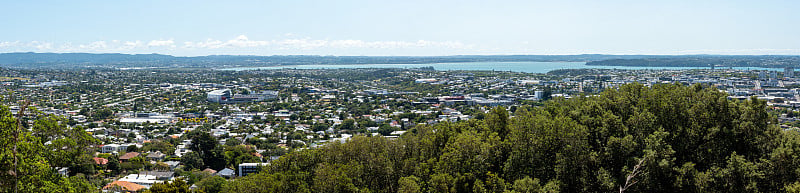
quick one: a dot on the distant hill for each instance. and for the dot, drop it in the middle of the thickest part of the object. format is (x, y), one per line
(83, 60)
(114, 60)
(87, 60)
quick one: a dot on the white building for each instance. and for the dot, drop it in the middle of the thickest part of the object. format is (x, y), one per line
(111, 148)
(141, 179)
(425, 80)
(183, 148)
(219, 95)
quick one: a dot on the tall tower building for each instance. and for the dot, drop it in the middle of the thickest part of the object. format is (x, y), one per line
(788, 72)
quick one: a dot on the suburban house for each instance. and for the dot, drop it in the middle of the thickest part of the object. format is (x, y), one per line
(226, 173)
(100, 160)
(156, 156)
(123, 187)
(128, 156)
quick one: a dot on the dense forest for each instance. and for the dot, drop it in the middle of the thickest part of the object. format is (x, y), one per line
(668, 138)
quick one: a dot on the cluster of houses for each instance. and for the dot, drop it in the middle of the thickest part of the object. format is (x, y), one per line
(142, 180)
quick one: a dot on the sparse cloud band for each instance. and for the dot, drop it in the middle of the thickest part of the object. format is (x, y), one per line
(292, 44)
(240, 42)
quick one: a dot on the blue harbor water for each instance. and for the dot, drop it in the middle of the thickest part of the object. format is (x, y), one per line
(529, 67)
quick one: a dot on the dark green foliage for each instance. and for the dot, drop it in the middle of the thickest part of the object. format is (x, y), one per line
(192, 160)
(319, 127)
(497, 120)
(209, 150)
(40, 148)
(348, 124)
(113, 164)
(335, 178)
(236, 155)
(409, 184)
(687, 139)
(386, 130)
(233, 142)
(213, 184)
(132, 148)
(176, 186)
(547, 93)
(103, 113)
(162, 146)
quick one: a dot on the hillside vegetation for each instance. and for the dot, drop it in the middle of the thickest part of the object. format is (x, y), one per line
(681, 139)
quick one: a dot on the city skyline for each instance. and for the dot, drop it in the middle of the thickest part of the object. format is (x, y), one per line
(184, 28)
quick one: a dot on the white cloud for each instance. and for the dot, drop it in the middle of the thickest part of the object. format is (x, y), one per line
(161, 43)
(243, 41)
(94, 46)
(345, 44)
(132, 44)
(36, 45)
(9, 44)
(295, 44)
(239, 45)
(303, 44)
(240, 41)
(210, 43)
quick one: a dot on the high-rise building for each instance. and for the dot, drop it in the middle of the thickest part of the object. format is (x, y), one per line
(788, 72)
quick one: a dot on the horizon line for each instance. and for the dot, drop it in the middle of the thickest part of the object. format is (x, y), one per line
(99, 53)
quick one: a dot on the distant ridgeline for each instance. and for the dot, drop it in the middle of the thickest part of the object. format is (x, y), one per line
(705, 61)
(87, 60)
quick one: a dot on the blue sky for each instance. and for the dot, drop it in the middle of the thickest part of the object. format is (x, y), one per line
(407, 27)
